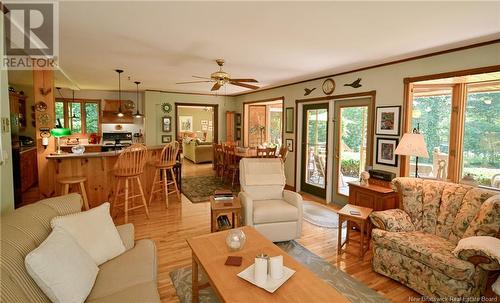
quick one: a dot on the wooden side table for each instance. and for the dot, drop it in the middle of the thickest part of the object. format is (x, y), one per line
(361, 220)
(377, 195)
(222, 207)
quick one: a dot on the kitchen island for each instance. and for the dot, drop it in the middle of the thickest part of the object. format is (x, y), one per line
(98, 168)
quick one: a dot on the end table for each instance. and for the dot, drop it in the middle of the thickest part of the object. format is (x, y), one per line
(221, 207)
(361, 219)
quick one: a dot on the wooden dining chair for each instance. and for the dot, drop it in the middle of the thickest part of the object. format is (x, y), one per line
(128, 168)
(231, 165)
(164, 165)
(218, 159)
(269, 152)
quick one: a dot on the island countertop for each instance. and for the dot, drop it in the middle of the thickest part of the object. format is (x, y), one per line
(97, 167)
(113, 153)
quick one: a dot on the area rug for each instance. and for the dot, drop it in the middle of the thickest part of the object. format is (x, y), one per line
(319, 215)
(353, 290)
(199, 189)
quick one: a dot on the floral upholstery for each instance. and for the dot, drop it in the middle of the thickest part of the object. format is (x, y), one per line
(420, 254)
(392, 220)
(429, 249)
(487, 220)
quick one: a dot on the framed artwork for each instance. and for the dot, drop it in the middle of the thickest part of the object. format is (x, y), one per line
(289, 144)
(388, 118)
(166, 138)
(186, 123)
(166, 124)
(238, 134)
(386, 148)
(289, 120)
(238, 119)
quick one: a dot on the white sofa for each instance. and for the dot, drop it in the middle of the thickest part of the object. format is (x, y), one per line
(273, 211)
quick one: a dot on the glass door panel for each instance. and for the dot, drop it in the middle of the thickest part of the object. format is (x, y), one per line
(353, 129)
(314, 149)
(256, 125)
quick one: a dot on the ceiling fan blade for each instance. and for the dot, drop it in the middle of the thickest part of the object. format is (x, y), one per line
(192, 82)
(244, 85)
(244, 80)
(216, 86)
(201, 77)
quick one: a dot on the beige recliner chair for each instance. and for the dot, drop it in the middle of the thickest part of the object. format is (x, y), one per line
(273, 211)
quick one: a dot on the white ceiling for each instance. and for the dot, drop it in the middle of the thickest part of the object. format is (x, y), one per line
(161, 43)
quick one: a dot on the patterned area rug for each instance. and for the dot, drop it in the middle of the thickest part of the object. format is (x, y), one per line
(320, 215)
(199, 189)
(353, 290)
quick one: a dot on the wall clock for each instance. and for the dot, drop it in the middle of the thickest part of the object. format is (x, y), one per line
(328, 86)
(166, 107)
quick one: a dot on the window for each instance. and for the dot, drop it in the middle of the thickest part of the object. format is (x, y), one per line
(459, 118)
(81, 116)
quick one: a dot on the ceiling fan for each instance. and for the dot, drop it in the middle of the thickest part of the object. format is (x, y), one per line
(220, 77)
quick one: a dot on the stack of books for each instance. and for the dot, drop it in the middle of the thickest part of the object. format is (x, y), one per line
(223, 223)
(223, 194)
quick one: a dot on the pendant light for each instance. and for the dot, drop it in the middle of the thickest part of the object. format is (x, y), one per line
(137, 113)
(71, 107)
(119, 113)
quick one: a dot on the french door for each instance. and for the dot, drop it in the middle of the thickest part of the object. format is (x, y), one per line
(353, 128)
(314, 149)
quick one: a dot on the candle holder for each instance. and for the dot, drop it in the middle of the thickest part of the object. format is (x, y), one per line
(235, 239)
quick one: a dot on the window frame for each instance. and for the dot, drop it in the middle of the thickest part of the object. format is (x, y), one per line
(83, 118)
(457, 119)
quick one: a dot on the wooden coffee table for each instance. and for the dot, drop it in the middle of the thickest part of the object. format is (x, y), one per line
(210, 252)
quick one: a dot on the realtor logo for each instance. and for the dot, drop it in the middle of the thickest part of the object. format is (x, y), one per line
(32, 32)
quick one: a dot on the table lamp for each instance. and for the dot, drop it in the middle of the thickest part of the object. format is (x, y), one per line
(413, 144)
(58, 133)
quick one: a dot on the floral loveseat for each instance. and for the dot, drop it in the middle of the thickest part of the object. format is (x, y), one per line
(414, 244)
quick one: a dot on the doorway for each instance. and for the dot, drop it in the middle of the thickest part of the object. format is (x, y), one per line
(314, 149)
(263, 122)
(353, 130)
(197, 121)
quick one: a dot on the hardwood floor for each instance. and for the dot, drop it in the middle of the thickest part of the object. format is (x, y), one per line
(170, 228)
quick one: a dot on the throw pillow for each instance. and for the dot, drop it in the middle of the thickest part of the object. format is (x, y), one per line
(61, 268)
(95, 231)
(487, 220)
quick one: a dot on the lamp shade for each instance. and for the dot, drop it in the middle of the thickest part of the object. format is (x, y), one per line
(60, 132)
(412, 145)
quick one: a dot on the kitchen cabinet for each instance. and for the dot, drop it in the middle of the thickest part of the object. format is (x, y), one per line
(110, 109)
(29, 169)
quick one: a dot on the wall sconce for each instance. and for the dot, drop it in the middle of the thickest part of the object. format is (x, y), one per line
(45, 135)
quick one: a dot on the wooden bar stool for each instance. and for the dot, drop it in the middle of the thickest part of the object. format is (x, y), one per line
(66, 182)
(165, 164)
(128, 168)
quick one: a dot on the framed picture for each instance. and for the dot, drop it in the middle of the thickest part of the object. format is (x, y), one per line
(238, 119)
(386, 148)
(388, 120)
(289, 144)
(289, 120)
(166, 138)
(186, 123)
(238, 134)
(166, 124)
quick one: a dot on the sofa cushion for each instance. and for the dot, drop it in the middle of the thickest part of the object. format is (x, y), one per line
(432, 192)
(487, 220)
(144, 293)
(431, 250)
(95, 231)
(411, 190)
(134, 267)
(272, 211)
(61, 268)
(451, 201)
(470, 207)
